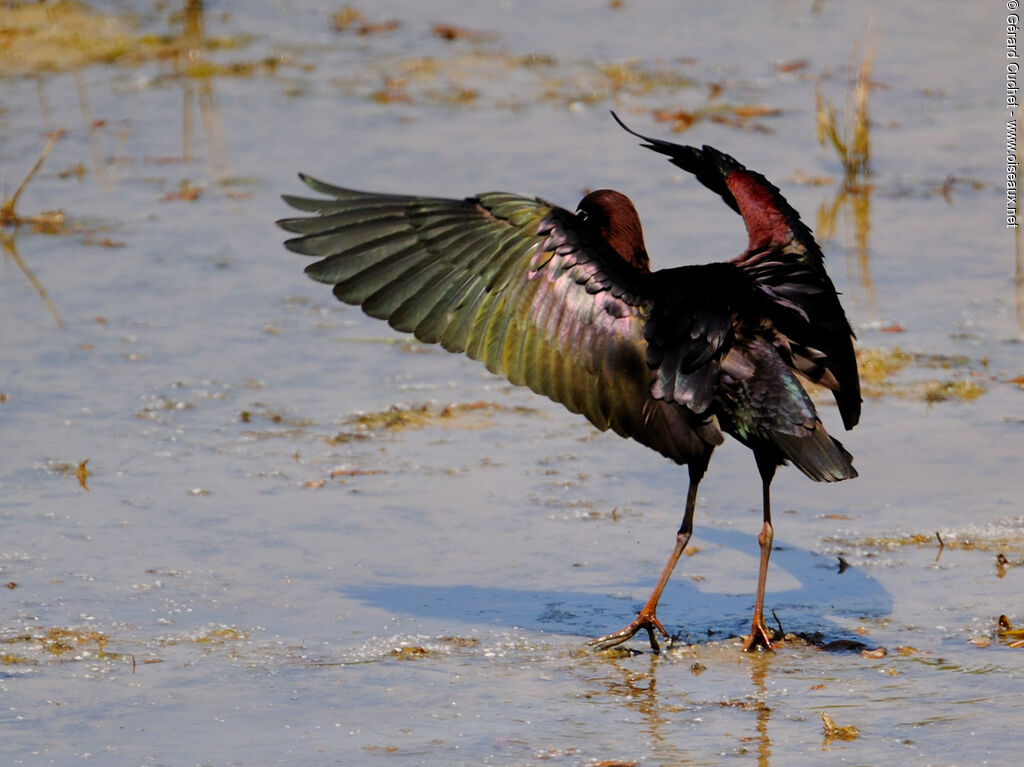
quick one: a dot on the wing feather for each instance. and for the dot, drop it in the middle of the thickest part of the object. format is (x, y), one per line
(788, 266)
(511, 281)
(525, 288)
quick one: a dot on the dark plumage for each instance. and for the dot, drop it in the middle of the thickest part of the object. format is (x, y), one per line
(566, 304)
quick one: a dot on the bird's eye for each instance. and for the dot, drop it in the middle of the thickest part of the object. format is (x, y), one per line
(581, 214)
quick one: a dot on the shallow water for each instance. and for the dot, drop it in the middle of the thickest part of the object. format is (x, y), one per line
(253, 578)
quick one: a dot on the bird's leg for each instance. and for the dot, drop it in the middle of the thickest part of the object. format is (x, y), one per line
(760, 635)
(647, 618)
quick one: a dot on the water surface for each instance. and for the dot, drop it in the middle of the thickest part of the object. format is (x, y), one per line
(253, 578)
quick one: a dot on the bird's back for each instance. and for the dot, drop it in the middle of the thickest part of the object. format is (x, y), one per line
(716, 351)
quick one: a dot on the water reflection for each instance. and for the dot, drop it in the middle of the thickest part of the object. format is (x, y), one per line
(10, 250)
(92, 127)
(634, 686)
(189, 66)
(854, 204)
(630, 684)
(185, 53)
(49, 221)
(651, 692)
(759, 665)
(189, 63)
(850, 137)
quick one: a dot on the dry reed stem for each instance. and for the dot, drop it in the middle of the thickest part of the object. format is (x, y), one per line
(851, 139)
(8, 215)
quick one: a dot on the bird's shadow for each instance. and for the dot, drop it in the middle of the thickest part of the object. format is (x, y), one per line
(825, 595)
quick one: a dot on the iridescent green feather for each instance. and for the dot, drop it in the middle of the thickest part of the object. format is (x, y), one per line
(498, 277)
(519, 285)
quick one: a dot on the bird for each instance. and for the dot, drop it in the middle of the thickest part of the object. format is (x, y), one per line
(565, 303)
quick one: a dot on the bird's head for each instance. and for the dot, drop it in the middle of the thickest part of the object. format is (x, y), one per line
(611, 215)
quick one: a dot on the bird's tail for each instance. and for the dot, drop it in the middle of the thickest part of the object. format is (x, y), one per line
(818, 455)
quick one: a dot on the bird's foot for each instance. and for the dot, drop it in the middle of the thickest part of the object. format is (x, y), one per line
(645, 620)
(760, 635)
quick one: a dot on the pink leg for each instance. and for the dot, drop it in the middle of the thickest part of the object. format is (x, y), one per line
(647, 618)
(760, 636)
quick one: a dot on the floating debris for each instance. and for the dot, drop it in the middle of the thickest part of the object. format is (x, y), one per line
(793, 65)
(843, 645)
(49, 222)
(77, 470)
(451, 33)
(65, 35)
(498, 79)
(82, 473)
(347, 471)
(186, 191)
(283, 425)
(1003, 563)
(350, 19)
(735, 115)
(56, 643)
(1008, 635)
(346, 17)
(409, 653)
(58, 36)
(879, 368)
(1004, 536)
(398, 417)
(834, 731)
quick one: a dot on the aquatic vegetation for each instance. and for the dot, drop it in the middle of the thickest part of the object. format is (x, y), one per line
(397, 417)
(65, 469)
(1011, 637)
(451, 33)
(962, 389)
(851, 138)
(57, 643)
(877, 365)
(498, 79)
(221, 636)
(735, 115)
(66, 35)
(880, 370)
(281, 423)
(186, 191)
(350, 19)
(1007, 535)
(13, 659)
(215, 636)
(58, 36)
(82, 473)
(50, 222)
(409, 652)
(264, 413)
(834, 731)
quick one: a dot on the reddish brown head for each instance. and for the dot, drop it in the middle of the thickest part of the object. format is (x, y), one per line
(611, 214)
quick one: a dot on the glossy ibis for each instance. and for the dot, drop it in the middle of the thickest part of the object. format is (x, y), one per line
(566, 304)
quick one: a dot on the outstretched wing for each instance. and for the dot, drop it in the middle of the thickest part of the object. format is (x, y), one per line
(788, 267)
(514, 282)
